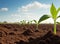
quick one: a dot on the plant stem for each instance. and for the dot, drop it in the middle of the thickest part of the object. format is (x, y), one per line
(54, 26)
(37, 26)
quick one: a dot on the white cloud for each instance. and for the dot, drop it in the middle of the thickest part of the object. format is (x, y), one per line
(4, 9)
(34, 5)
(32, 11)
(15, 15)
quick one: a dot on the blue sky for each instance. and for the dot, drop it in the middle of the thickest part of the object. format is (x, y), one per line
(17, 10)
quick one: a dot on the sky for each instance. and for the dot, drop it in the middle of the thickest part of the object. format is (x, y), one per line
(17, 10)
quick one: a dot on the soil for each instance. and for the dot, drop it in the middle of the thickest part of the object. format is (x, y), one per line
(27, 34)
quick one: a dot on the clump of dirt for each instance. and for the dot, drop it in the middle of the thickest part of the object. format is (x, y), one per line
(27, 32)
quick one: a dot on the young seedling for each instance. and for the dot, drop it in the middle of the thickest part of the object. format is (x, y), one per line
(44, 17)
(54, 13)
(23, 22)
(29, 22)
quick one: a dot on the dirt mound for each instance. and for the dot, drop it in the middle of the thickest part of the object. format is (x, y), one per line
(50, 38)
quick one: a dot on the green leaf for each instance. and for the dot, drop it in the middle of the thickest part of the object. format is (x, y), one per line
(58, 22)
(35, 21)
(58, 10)
(53, 11)
(44, 17)
(58, 17)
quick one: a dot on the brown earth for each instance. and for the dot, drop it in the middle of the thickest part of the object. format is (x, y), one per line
(27, 34)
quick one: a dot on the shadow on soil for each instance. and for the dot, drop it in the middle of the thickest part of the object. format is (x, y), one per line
(49, 38)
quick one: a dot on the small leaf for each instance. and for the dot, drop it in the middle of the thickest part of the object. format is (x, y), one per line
(53, 11)
(58, 22)
(35, 21)
(44, 17)
(58, 10)
(58, 17)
